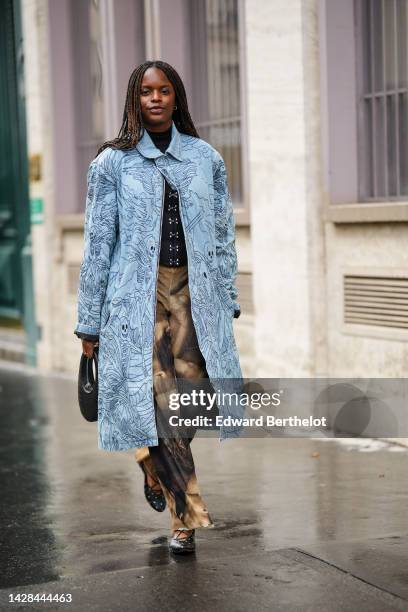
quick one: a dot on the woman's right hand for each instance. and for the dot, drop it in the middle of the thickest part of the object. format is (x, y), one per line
(88, 347)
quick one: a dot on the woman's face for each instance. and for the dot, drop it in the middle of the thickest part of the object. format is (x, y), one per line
(157, 100)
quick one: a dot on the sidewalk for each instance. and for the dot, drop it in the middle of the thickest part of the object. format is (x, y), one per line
(299, 524)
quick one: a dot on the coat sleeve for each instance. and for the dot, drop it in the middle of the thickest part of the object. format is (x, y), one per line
(100, 233)
(225, 233)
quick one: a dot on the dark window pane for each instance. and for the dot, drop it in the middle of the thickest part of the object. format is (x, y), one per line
(402, 17)
(392, 146)
(368, 160)
(366, 46)
(390, 44)
(403, 153)
(382, 117)
(377, 39)
(379, 147)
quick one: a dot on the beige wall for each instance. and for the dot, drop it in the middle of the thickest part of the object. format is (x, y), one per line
(286, 198)
(364, 248)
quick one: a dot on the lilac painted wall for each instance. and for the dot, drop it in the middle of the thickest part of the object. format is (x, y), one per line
(175, 39)
(342, 102)
(63, 116)
(130, 46)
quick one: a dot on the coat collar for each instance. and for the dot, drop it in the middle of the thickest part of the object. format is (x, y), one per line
(147, 148)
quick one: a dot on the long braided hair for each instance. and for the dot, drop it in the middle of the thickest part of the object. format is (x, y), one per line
(132, 124)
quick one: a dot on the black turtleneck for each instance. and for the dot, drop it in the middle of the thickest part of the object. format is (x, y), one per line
(161, 139)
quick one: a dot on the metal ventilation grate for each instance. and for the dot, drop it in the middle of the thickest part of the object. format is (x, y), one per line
(376, 300)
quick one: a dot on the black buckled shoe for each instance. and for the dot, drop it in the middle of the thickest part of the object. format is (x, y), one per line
(156, 500)
(182, 545)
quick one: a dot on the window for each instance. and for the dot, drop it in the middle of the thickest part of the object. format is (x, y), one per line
(382, 120)
(216, 83)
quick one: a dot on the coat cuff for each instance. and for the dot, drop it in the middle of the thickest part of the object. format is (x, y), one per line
(87, 329)
(90, 338)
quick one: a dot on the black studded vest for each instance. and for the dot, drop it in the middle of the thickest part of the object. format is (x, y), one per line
(173, 251)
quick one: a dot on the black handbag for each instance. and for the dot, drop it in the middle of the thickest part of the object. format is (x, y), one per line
(88, 386)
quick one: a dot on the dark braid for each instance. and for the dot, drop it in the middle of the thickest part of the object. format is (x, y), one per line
(132, 124)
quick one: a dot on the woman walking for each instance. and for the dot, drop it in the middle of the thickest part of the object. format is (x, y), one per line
(157, 288)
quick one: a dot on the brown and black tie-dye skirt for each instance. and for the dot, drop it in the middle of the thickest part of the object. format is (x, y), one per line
(176, 355)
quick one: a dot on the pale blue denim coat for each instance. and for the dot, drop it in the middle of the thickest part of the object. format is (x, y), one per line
(118, 276)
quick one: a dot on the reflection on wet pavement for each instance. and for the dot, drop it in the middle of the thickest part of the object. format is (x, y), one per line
(69, 509)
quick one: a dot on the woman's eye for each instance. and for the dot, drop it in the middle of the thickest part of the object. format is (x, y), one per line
(144, 92)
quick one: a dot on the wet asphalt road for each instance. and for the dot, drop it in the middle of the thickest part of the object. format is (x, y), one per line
(299, 524)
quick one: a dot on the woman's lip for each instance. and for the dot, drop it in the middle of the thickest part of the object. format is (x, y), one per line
(156, 110)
